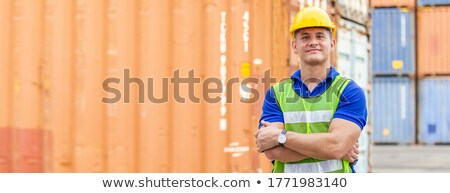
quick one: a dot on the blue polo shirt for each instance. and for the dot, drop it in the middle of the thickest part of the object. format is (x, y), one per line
(351, 107)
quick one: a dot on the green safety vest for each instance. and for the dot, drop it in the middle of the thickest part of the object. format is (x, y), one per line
(310, 115)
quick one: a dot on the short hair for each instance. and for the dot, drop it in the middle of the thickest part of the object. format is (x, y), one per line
(328, 29)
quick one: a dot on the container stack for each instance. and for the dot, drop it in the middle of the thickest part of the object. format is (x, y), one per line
(89, 86)
(434, 71)
(393, 69)
(353, 61)
(55, 57)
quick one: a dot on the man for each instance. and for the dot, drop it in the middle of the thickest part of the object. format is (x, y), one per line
(311, 122)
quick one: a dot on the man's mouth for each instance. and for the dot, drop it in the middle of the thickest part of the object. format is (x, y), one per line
(313, 50)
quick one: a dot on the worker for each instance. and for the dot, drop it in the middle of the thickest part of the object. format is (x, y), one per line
(311, 122)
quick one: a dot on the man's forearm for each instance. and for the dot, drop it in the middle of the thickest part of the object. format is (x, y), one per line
(335, 144)
(317, 145)
(284, 154)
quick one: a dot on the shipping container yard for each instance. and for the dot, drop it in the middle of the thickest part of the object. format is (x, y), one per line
(105, 85)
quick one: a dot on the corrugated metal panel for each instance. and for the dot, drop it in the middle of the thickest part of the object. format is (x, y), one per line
(361, 59)
(281, 38)
(90, 69)
(433, 2)
(434, 42)
(392, 41)
(363, 156)
(239, 122)
(216, 135)
(352, 49)
(186, 133)
(365, 141)
(261, 57)
(294, 62)
(393, 110)
(26, 82)
(121, 54)
(435, 110)
(58, 83)
(5, 82)
(390, 3)
(60, 53)
(344, 50)
(154, 138)
(355, 10)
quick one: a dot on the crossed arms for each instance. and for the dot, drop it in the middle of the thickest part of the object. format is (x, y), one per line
(339, 143)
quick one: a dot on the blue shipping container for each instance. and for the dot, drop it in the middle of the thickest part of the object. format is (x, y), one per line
(393, 110)
(435, 110)
(392, 41)
(434, 2)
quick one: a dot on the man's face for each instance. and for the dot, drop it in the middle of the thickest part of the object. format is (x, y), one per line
(314, 45)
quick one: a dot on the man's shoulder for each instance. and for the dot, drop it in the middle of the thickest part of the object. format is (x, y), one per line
(352, 91)
(352, 86)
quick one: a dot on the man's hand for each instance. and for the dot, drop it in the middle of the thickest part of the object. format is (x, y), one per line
(352, 154)
(267, 137)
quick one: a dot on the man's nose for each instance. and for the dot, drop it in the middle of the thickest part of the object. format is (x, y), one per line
(313, 41)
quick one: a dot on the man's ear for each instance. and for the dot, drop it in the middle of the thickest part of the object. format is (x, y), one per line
(294, 46)
(333, 44)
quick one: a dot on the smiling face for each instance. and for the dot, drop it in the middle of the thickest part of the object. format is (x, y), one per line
(314, 45)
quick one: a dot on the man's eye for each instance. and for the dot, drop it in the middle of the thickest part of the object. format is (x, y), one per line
(320, 36)
(305, 37)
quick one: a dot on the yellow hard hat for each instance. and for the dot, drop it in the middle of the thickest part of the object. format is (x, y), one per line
(312, 17)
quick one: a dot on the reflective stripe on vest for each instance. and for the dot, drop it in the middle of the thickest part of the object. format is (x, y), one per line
(310, 115)
(314, 167)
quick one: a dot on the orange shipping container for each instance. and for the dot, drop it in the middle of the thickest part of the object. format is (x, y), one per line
(5, 77)
(215, 122)
(121, 131)
(154, 119)
(186, 117)
(89, 71)
(294, 62)
(26, 115)
(433, 41)
(57, 57)
(58, 83)
(390, 3)
(281, 38)
(260, 53)
(237, 112)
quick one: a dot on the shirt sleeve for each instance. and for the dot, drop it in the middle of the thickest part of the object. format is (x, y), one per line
(271, 112)
(352, 105)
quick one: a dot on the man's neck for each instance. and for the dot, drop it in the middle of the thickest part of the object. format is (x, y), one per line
(312, 75)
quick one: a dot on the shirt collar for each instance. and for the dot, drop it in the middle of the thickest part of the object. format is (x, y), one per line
(296, 76)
